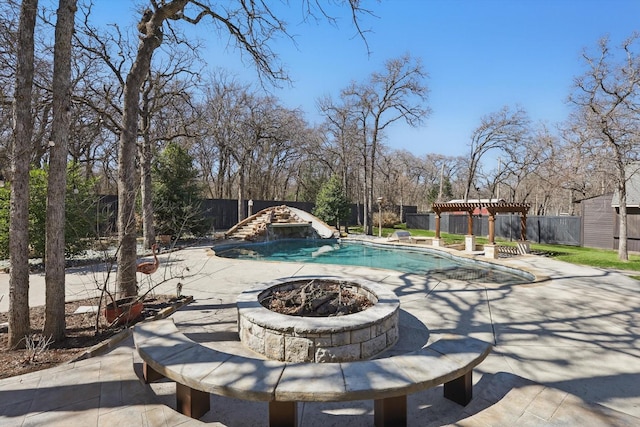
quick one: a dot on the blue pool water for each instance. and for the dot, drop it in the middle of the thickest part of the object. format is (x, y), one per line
(367, 255)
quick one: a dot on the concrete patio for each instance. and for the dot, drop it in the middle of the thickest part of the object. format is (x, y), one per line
(567, 349)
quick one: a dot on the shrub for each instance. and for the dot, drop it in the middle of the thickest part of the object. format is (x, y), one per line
(79, 207)
(389, 219)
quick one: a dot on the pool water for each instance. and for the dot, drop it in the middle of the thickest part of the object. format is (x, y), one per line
(367, 255)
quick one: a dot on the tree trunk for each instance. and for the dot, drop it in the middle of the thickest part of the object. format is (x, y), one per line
(366, 217)
(372, 163)
(126, 276)
(623, 253)
(366, 209)
(148, 229)
(19, 326)
(54, 324)
(241, 213)
(146, 157)
(151, 38)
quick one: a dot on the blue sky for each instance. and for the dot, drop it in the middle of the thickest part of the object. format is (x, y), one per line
(480, 55)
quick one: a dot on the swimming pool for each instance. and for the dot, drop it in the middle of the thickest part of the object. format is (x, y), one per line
(417, 261)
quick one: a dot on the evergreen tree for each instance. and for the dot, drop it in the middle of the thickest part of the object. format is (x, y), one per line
(332, 205)
(177, 194)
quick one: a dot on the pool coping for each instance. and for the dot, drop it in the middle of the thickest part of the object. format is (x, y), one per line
(466, 257)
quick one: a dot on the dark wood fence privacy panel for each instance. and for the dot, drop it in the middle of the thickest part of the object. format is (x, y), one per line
(565, 230)
(224, 212)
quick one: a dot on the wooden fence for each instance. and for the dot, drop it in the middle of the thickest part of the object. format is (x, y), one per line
(562, 230)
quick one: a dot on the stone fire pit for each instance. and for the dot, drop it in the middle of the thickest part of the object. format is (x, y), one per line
(343, 338)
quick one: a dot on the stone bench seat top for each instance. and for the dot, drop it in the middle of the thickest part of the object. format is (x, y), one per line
(169, 352)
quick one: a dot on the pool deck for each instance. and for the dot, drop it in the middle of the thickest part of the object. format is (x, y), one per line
(567, 348)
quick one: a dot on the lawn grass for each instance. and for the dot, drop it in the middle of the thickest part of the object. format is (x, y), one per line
(601, 258)
(449, 239)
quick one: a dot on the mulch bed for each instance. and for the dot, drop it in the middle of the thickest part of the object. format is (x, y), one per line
(81, 335)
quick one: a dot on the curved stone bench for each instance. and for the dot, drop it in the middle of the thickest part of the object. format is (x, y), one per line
(199, 370)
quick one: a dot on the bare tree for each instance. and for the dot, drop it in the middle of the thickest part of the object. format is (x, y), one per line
(9, 17)
(398, 93)
(19, 325)
(99, 56)
(54, 325)
(40, 90)
(585, 170)
(524, 167)
(497, 131)
(518, 162)
(280, 146)
(151, 34)
(167, 87)
(606, 99)
(218, 130)
(252, 25)
(340, 151)
(258, 130)
(417, 180)
(164, 116)
(248, 143)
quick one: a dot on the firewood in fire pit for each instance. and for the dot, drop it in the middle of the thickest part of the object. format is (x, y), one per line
(318, 298)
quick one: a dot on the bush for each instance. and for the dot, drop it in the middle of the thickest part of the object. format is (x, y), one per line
(79, 213)
(389, 219)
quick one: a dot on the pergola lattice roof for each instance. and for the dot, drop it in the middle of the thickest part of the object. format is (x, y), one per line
(493, 208)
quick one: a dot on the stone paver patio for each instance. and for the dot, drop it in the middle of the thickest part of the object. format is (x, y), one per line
(567, 349)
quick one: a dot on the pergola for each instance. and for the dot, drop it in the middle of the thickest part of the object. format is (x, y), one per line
(493, 208)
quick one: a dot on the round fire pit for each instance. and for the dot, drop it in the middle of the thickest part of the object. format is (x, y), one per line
(337, 338)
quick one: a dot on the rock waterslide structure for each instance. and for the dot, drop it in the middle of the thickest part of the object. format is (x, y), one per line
(281, 222)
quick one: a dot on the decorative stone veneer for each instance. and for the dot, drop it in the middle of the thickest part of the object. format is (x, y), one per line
(345, 338)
